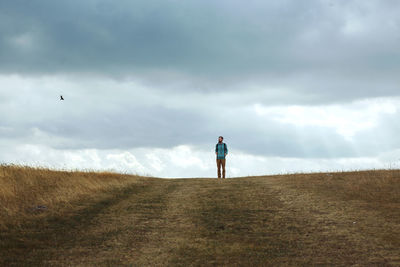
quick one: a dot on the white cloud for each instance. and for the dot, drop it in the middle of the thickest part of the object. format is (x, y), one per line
(155, 162)
(185, 157)
(196, 162)
(124, 160)
(346, 119)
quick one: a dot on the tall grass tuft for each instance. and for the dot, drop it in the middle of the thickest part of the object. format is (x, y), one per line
(26, 192)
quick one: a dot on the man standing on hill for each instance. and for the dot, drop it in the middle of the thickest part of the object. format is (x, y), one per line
(221, 150)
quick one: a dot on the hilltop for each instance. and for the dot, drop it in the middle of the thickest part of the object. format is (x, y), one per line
(92, 218)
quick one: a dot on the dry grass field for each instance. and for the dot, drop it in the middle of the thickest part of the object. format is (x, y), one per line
(106, 219)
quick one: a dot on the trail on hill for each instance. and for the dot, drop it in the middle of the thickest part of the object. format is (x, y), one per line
(247, 221)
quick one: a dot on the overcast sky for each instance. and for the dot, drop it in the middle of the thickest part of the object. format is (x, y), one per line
(150, 85)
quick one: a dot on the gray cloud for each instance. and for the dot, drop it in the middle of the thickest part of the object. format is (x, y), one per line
(160, 74)
(129, 116)
(210, 44)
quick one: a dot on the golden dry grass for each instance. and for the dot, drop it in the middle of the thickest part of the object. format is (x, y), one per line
(374, 186)
(24, 188)
(107, 219)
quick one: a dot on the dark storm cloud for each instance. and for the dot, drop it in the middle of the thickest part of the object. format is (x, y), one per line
(104, 36)
(210, 44)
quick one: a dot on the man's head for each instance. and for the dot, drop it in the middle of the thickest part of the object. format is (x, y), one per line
(220, 139)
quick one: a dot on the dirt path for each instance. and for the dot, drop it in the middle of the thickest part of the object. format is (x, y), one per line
(253, 221)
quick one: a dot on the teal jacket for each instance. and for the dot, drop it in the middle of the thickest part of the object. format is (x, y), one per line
(221, 149)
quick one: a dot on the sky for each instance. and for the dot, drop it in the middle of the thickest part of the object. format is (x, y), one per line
(293, 86)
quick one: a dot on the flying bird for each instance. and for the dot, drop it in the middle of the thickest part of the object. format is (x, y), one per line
(61, 97)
